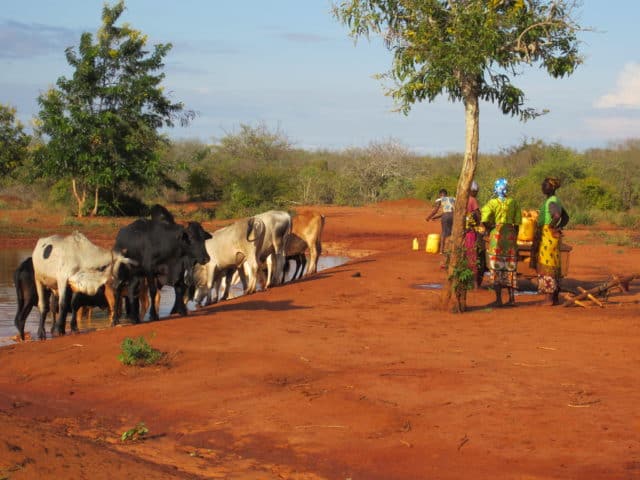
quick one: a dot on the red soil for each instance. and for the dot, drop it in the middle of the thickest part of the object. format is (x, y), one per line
(352, 373)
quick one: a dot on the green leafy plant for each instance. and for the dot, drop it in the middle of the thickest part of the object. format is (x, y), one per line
(460, 278)
(136, 351)
(135, 433)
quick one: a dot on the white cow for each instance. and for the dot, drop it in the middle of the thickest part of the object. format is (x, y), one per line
(71, 264)
(277, 229)
(230, 248)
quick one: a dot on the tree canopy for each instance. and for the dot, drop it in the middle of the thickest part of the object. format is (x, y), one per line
(14, 142)
(469, 50)
(102, 124)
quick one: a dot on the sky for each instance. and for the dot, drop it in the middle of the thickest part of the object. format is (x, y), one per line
(290, 66)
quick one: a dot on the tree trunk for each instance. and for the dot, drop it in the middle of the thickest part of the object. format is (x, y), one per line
(455, 299)
(94, 212)
(80, 199)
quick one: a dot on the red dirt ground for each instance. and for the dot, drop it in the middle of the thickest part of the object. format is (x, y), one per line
(350, 374)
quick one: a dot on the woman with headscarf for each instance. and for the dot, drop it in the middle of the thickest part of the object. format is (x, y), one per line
(472, 237)
(501, 216)
(546, 248)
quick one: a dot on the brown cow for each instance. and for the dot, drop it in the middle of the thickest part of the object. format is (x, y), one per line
(306, 233)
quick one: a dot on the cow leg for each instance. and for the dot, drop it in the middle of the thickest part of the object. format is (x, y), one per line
(52, 305)
(178, 304)
(314, 255)
(110, 297)
(65, 305)
(27, 298)
(278, 266)
(227, 284)
(269, 262)
(117, 301)
(74, 311)
(153, 291)
(303, 263)
(143, 298)
(42, 307)
(249, 275)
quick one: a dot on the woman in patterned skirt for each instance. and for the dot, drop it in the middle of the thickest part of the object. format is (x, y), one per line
(501, 216)
(548, 241)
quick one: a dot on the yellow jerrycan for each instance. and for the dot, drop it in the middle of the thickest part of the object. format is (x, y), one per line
(433, 243)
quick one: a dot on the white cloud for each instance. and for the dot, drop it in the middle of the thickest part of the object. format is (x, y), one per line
(627, 91)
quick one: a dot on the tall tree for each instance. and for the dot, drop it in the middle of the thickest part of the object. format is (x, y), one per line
(470, 50)
(14, 142)
(102, 124)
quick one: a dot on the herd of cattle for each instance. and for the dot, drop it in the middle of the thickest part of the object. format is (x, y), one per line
(70, 274)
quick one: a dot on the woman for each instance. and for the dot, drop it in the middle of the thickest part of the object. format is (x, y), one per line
(446, 217)
(472, 237)
(501, 216)
(546, 248)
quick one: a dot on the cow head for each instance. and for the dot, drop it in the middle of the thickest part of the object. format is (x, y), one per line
(195, 237)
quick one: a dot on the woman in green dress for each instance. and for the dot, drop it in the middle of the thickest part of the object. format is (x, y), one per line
(548, 242)
(501, 217)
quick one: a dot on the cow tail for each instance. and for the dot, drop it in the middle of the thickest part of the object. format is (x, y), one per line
(19, 295)
(255, 229)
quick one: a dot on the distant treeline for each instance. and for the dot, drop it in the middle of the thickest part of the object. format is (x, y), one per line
(255, 169)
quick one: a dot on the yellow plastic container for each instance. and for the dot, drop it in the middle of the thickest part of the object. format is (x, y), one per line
(527, 229)
(433, 243)
(416, 245)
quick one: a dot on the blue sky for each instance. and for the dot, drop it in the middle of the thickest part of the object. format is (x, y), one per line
(289, 65)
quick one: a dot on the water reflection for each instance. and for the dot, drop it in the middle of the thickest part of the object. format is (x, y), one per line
(11, 258)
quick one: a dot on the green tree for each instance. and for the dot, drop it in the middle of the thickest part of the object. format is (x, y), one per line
(102, 123)
(255, 146)
(469, 50)
(14, 142)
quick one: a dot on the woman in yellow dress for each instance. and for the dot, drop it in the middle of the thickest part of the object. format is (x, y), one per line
(548, 242)
(501, 217)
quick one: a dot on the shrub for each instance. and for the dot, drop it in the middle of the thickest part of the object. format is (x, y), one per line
(136, 351)
(582, 218)
(71, 222)
(135, 433)
(60, 194)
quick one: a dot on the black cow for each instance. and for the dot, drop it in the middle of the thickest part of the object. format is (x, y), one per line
(163, 251)
(27, 296)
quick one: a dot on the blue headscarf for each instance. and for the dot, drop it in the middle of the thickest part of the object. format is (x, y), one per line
(500, 188)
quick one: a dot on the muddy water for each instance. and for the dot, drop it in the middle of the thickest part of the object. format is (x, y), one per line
(10, 259)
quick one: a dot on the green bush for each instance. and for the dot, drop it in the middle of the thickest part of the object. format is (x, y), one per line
(199, 185)
(582, 218)
(60, 194)
(136, 351)
(254, 192)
